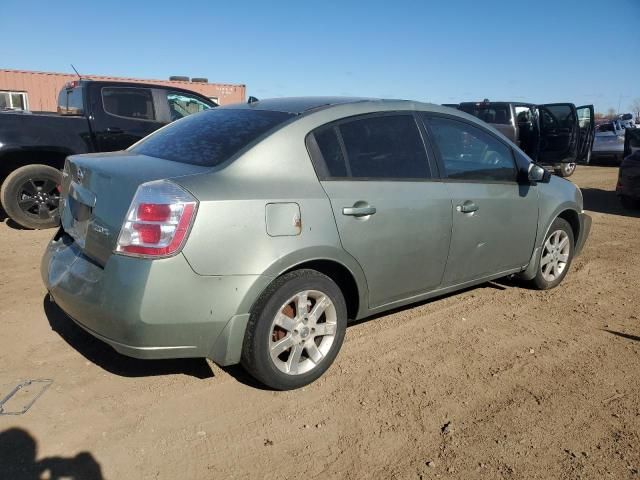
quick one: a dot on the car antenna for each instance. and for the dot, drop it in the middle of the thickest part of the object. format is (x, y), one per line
(74, 69)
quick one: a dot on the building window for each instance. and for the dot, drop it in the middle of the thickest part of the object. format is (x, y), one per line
(13, 100)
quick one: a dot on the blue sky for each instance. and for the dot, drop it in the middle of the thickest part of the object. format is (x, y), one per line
(581, 51)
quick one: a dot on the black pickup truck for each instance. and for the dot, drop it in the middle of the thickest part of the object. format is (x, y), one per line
(93, 116)
(557, 135)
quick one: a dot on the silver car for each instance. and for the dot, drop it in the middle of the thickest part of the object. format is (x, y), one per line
(254, 233)
(609, 141)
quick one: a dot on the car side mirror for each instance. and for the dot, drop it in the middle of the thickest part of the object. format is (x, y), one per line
(537, 174)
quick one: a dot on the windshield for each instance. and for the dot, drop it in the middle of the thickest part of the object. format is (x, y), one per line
(210, 137)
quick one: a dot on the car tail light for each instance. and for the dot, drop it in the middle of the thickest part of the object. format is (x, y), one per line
(158, 221)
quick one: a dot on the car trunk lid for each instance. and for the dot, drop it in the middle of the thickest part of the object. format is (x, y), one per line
(98, 189)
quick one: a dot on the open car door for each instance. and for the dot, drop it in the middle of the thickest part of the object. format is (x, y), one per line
(586, 124)
(559, 133)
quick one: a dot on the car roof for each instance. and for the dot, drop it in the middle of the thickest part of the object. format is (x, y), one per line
(297, 105)
(336, 108)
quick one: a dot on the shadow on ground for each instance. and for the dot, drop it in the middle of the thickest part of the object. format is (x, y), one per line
(4, 218)
(241, 376)
(104, 356)
(624, 335)
(18, 454)
(606, 201)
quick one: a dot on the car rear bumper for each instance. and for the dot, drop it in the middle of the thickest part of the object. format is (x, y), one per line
(151, 308)
(585, 229)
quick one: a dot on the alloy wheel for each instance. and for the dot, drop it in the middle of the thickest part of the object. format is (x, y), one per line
(555, 255)
(568, 169)
(39, 198)
(302, 332)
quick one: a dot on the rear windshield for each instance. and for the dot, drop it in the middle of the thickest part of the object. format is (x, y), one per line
(490, 113)
(210, 137)
(70, 101)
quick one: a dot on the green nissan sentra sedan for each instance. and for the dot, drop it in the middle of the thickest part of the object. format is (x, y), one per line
(253, 233)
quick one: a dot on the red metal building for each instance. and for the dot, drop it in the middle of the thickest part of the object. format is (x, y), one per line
(38, 91)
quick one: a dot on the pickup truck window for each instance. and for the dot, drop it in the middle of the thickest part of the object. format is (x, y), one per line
(128, 102)
(489, 113)
(523, 115)
(181, 105)
(211, 137)
(70, 101)
(468, 153)
(557, 116)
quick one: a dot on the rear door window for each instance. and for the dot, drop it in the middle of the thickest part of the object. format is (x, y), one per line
(375, 147)
(334, 164)
(387, 146)
(210, 137)
(469, 153)
(136, 103)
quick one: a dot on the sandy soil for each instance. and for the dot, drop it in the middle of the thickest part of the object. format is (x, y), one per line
(495, 382)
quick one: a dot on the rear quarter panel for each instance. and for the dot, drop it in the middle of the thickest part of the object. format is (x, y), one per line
(229, 236)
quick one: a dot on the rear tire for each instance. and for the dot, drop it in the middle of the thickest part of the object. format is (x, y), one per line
(30, 195)
(295, 330)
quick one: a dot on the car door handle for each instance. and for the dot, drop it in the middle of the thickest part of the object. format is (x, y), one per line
(359, 211)
(467, 207)
(114, 130)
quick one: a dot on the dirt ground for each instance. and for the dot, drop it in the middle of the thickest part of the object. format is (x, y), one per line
(495, 382)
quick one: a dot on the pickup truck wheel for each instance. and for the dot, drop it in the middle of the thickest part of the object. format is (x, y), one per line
(295, 330)
(566, 170)
(555, 256)
(30, 195)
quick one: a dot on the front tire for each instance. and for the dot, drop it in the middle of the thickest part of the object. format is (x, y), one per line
(295, 330)
(555, 256)
(566, 170)
(30, 195)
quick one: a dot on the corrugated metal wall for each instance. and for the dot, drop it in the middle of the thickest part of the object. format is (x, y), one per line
(42, 87)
